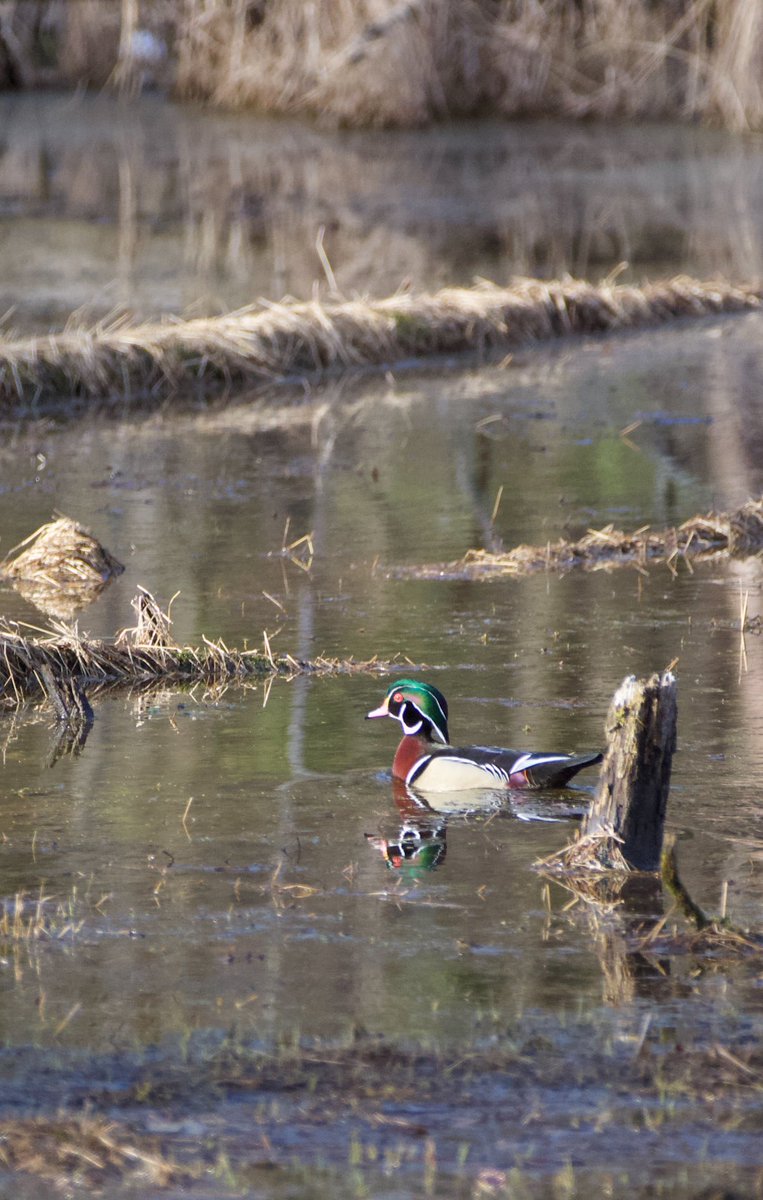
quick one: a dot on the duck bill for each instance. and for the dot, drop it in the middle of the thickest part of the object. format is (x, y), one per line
(381, 711)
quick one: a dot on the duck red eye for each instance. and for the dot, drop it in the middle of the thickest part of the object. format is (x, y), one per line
(398, 697)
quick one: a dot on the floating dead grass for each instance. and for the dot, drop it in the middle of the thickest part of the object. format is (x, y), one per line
(61, 568)
(62, 663)
(276, 340)
(85, 1151)
(713, 535)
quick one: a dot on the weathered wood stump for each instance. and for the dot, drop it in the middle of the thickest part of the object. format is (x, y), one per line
(634, 781)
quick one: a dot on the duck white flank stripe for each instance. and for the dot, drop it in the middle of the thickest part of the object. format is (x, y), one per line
(526, 762)
(417, 768)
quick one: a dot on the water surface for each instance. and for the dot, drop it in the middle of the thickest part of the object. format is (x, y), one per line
(210, 888)
(161, 208)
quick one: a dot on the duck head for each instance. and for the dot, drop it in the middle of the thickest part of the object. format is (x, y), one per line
(421, 709)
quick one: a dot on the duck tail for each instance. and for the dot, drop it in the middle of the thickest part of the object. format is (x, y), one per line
(559, 774)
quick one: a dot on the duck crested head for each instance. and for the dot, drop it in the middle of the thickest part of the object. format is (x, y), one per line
(421, 709)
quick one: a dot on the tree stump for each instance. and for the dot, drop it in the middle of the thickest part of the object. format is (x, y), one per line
(634, 781)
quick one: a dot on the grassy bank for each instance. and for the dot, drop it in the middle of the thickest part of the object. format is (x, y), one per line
(381, 63)
(309, 339)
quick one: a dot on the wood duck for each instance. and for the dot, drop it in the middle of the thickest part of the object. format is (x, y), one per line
(426, 760)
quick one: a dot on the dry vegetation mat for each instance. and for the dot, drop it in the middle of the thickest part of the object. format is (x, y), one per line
(273, 341)
(405, 62)
(713, 535)
(60, 665)
(60, 567)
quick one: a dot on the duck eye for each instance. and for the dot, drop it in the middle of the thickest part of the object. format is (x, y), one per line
(398, 698)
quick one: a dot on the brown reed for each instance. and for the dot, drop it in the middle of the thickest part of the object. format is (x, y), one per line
(406, 62)
(312, 338)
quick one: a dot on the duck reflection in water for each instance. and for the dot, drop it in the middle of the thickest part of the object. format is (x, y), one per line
(419, 841)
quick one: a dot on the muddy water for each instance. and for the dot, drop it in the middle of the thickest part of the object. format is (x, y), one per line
(212, 899)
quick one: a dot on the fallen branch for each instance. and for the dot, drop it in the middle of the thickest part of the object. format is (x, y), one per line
(273, 340)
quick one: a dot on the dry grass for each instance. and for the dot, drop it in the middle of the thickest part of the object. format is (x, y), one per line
(86, 1152)
(61, 552)
(711, 535)
(63, 663)
(60, 567)
(406, 62)
(381, 63)
(586, 856)
(367, 63)
(276, 340)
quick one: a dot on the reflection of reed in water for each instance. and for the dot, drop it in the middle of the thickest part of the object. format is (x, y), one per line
(196, 216)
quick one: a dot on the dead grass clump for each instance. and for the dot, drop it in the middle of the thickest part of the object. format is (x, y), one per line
(60, 567)
(587, 857)
(61, 552)
(312, 338)
(406, 62)
(377, 63)
(367, 63)
(704, 536)
(61, 665)
(628, 58)
(84, 1151)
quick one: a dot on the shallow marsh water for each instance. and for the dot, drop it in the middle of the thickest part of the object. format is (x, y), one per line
(159, 208)
(267, 918)
(226, 960)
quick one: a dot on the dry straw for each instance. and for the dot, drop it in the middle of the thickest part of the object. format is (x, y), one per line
(276, 340)
(710, 536)
(406, 62)
(59, 664)
(402, 63)
(60, 567)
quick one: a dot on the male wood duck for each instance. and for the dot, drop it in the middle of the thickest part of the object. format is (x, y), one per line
(426, 760)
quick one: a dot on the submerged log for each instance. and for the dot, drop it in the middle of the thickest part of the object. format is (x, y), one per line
(634, 781)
